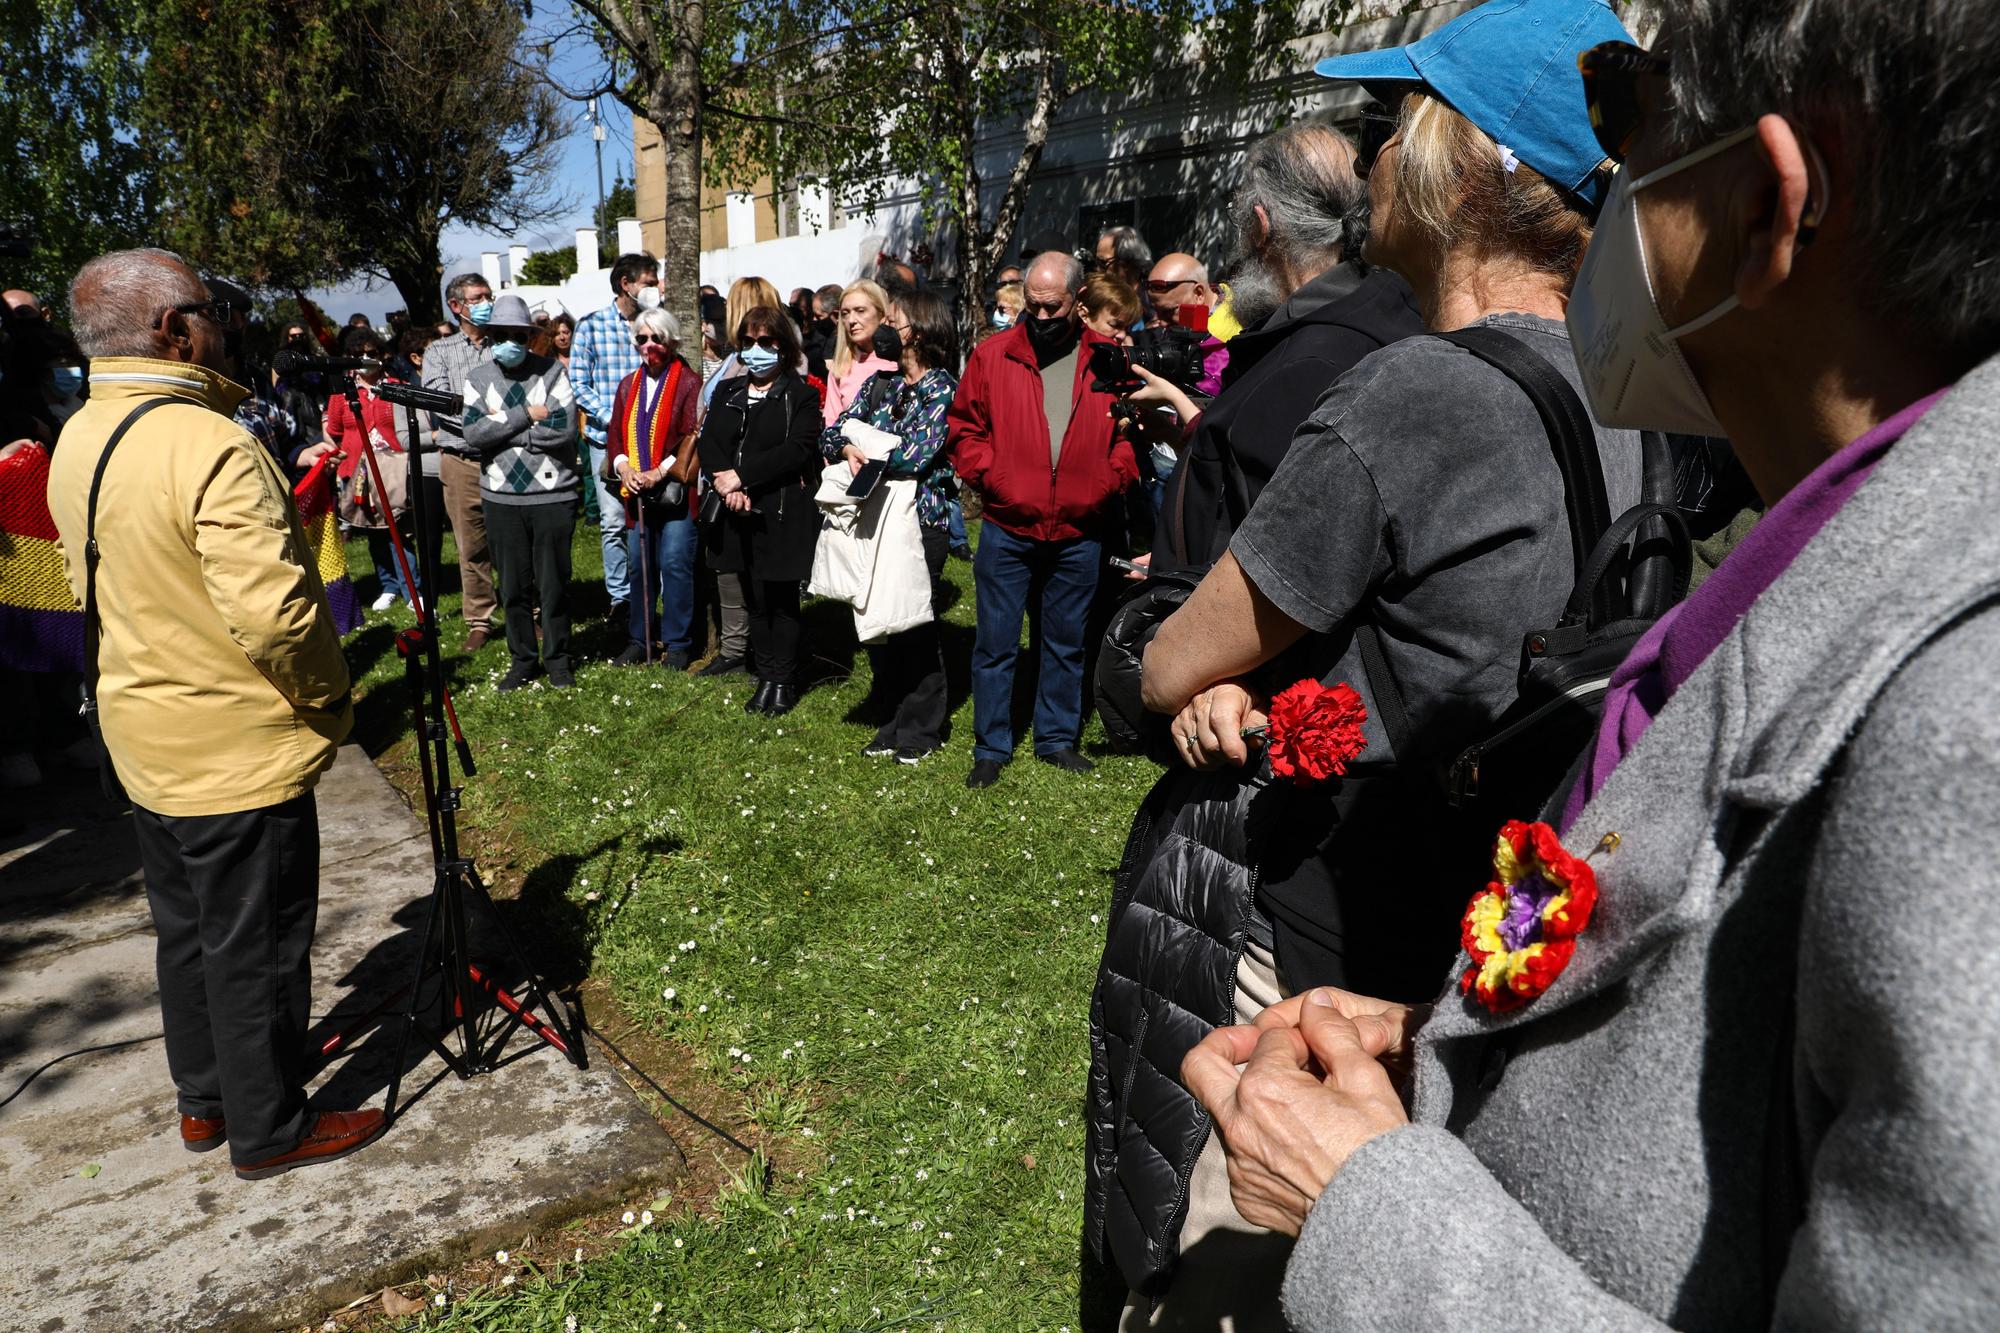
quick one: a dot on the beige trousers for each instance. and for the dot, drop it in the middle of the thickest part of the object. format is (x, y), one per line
(460, 479)
(1230, 1269)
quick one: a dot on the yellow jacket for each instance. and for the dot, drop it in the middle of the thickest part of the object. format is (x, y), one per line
(221, 684)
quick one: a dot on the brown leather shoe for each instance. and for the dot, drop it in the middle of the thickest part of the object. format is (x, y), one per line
(334, 1134)
(477, 639)
(198, 1135)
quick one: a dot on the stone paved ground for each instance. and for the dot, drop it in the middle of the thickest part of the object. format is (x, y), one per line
(160, 1238)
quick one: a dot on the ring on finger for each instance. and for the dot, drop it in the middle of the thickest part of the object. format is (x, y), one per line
(1190, 740)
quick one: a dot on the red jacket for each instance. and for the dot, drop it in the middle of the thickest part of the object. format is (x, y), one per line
(383, 426)
(999, 441)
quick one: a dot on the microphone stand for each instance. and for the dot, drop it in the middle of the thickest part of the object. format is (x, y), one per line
(445, 952)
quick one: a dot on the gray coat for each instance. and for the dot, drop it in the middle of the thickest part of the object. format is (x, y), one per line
(1767, 1089)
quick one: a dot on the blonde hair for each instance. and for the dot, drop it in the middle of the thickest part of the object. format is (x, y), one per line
(843, 353)
(1454, 185)
(1012, 295)
(745, 295)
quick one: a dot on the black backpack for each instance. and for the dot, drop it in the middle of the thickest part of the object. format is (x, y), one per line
(1629, 572)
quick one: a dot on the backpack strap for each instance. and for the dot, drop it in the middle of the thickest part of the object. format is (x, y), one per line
(91, 556)
(1571, 436)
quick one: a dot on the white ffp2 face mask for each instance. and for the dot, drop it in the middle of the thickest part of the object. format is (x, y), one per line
(1633, 369)
(647, 298)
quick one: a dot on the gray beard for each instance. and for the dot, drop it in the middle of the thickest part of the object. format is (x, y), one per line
(1254, 291)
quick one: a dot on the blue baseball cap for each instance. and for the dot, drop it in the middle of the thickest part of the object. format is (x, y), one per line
(1509, 67)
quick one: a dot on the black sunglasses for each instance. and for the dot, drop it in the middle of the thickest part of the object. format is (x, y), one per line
(1611, 74)
(219, 311)
(641, 339)
(768, 342)
(1378, 126)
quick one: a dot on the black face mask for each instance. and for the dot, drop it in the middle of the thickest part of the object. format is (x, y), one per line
(888, 343)
(1052, 338)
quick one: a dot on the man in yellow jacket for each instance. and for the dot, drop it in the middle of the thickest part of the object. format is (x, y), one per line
(223, 696)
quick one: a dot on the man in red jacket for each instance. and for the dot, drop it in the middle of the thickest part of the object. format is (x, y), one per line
(1035, 440)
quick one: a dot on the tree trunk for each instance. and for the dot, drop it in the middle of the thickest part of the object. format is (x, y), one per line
(418, 286)
(973, 268)
(680, 132)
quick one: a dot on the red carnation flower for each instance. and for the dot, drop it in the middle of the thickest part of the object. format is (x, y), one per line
(1315, 731)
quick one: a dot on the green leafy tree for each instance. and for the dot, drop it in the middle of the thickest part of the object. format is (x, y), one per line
(620, 201)
(77, 182)
(549, 268)
(328, 138)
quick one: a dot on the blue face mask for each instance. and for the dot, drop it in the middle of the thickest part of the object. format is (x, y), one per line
(479, 311)
(759, 361)
(1003, 319)
(68, 380)
(510, 354)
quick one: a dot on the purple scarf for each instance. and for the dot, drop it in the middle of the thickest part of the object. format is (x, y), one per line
(1681, 640)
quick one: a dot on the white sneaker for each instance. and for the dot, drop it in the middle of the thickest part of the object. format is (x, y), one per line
(384, 602)
(19, 769)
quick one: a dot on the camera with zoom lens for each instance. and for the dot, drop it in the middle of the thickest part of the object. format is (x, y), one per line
(1168, 350)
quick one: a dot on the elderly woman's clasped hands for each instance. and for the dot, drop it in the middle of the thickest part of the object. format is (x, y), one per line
(1295, 1095)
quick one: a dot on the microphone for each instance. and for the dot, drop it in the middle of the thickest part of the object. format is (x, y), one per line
(285, 361)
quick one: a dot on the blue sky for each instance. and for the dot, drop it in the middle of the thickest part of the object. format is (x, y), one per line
(577, 180)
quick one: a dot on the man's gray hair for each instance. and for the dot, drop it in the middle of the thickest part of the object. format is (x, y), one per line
(656, 321)
(1910, 86)
(115, 300)
(455, 290)
(1127, 243)
(1303, 177)
(1066, 269)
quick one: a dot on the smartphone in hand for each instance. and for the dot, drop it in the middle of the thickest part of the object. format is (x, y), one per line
(867, 479)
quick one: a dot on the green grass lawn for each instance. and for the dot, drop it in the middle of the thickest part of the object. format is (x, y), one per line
(892, 973)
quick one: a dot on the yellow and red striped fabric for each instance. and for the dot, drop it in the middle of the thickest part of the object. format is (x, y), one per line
(41, 626)
(315, 499)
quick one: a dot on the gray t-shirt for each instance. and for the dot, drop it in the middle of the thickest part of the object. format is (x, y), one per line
(1422, 495)
(1059, 400)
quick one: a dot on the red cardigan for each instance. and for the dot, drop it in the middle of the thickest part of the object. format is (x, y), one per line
(999, 442)
(381, 416)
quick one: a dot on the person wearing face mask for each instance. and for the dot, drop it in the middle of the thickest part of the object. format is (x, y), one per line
(652, 458)
(864, 308)
(601, 358)
(1034, 438)
(1008, 298)
(520, 416)
(760, 447)
(1758, 1092)
(447, 362)
(822, 333)
(362, 509)
(222, 696)
(1418, 519)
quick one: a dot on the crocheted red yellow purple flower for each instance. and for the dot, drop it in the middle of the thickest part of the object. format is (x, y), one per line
(1521, 928)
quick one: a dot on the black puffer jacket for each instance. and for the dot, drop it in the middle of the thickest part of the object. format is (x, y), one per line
(1179, 919)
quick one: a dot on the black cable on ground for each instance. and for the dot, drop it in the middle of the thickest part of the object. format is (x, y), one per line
(70, 1055)
(672, 1100)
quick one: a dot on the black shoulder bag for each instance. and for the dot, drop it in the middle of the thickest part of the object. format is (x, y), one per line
(1629, 572)
(106, 773)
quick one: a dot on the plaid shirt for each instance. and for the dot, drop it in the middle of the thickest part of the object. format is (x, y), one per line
(601, 355)
(446, 363)
(274, 428)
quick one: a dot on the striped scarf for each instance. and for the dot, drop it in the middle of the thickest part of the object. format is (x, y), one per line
(314, 496)
(648, 447)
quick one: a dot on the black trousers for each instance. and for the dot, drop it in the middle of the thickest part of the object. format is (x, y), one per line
(775, 627)
(530, 545)
(909, 666)
(235, 899)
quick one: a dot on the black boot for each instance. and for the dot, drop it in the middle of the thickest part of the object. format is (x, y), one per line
(784, 698)
(760, 699)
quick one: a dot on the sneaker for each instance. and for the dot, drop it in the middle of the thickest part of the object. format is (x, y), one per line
(878, 749)
(723, 666)
(676, 661)
(517, 676)
(985, 772)
(634, 655)
(561, 678)
(384, 602)
(1069, 761)
(912, 755)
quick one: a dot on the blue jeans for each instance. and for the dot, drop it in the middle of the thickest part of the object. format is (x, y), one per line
(665, 550)
(388, 573)
(1007, 572)
(611, 530)
(954, 518)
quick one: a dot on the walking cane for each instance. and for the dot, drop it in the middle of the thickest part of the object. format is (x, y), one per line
(637, 513)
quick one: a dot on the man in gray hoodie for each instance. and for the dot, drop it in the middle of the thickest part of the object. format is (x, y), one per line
(520, 419)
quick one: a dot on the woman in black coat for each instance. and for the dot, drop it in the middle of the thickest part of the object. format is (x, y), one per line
(760, 447)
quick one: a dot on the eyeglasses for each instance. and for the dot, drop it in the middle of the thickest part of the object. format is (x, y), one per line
(1378, 126)
(768, 342)
(1611, 74)
(641, 339)
(219, 311)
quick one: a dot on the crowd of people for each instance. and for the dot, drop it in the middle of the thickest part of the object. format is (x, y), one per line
(1552, 562)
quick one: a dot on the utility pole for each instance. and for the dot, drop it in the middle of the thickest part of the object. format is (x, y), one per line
(597, 135)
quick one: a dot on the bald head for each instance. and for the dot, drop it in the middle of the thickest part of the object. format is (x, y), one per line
(122, 305)
(1178, 280)
(24, 304)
